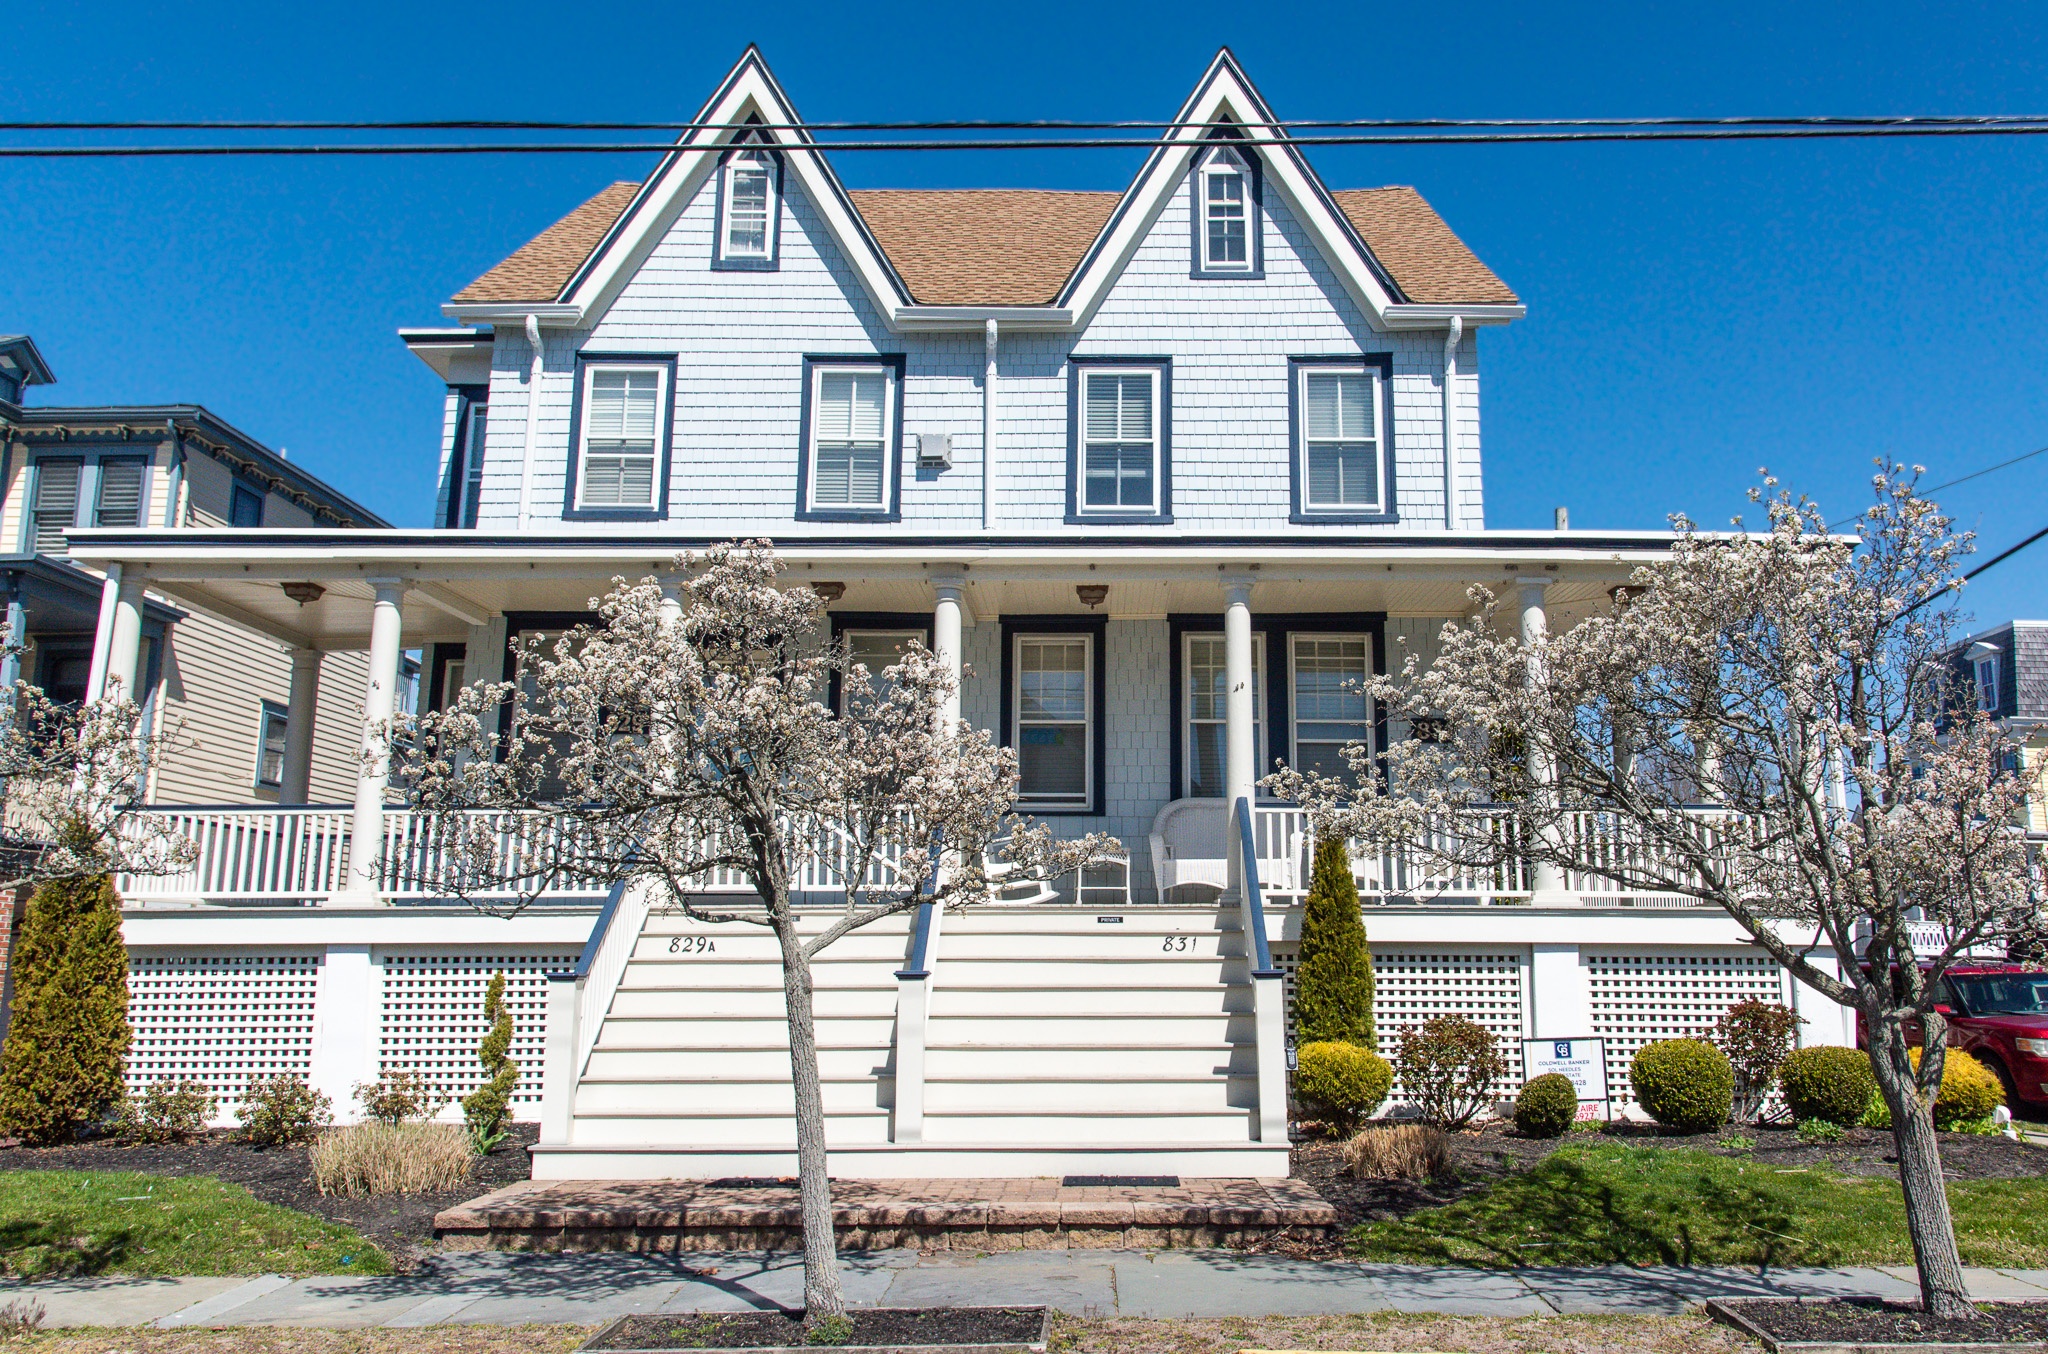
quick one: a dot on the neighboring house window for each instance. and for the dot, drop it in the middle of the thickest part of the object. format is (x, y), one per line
(245, 508)
(852, 411)
(270, 739)
(747, 209)
(466, 472)
(1207, 697)
(877, 651)
(1120, 441)
(56, 503)
(1987, 684)
(1226, 214)
(1330, 707)
(1340, 444)
(622, 420)
(1054, 719)
(120, 496)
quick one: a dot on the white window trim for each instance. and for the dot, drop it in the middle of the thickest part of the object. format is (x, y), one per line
(873, 632)
(749, 160)
(1219, 164)
(1081, 504)
(1376, 382)
(1260, 696)
(1086, 799)
(591, 370)
(819, 370)
(1371, 720)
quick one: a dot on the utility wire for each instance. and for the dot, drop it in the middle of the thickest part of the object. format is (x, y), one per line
(1090, 143)
(1950, 484)
(984, 124)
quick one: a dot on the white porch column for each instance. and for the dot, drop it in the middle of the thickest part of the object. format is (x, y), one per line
(946, 643)
(295, 784)
(1240, 742)
(366, 840)
(117, 642)
(1549, 879)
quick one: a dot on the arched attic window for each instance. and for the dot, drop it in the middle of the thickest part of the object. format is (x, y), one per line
(749, 183)
(1226, 215)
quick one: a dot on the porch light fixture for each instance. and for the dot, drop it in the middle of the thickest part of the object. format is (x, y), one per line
(303, 593)
(1091, 594)
(829, 593)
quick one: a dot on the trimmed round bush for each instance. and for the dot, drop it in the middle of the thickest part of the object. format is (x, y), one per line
(1969, 1090)
(1684, 1084)
(1547, 1106)
(1832, 1084)
(1341, 1082)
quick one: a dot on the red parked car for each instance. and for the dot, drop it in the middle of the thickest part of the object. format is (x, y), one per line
(1997, 1013)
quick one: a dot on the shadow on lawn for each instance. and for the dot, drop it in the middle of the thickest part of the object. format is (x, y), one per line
(41, 1250)
(1571, 1210)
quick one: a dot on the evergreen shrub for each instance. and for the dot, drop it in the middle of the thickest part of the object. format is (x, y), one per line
(60, 1069)
(1547, 1106)
(487, 1108)
(1341, 1083)
(1684, 1084)
(1830, 1083)
(1333, 982)
(1968, 1094)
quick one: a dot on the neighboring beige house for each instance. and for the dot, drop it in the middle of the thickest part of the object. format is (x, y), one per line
(225, 689)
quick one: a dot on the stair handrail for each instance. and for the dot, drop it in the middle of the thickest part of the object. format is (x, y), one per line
(1254, 901)
(919, 965)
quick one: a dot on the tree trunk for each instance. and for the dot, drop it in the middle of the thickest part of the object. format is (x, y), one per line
(822, 1297)
(1942, 1291)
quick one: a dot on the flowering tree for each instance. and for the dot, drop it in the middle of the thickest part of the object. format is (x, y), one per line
(70, 777)
(1798, 684)
(690, 733)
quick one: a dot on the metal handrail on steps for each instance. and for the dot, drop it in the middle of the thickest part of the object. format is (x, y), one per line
(919, 964)
(1254, 902)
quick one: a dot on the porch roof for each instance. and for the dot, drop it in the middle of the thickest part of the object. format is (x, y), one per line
(458, 579)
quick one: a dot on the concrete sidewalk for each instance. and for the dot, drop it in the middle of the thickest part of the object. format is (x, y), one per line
(501, 1288)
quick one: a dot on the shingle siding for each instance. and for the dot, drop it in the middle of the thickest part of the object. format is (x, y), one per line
(2029, 682)
(740, 338)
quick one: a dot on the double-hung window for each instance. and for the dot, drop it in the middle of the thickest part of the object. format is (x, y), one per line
(120, 492)
(1330, 707)
(747, 210)
(622, 421)
(272, 726)
(1208, 689)
(877, 651)
(1054, 720)
(56, 502)
(853, 410)
(1340, 416)
(466, 466)
(1987, 683)
(1226, 214)
(245, 507)
(1120, 440)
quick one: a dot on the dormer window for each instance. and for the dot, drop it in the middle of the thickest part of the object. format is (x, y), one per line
(747, 210)
(1226, 216)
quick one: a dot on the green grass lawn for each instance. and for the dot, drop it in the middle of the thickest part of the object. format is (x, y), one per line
(1655, 1206)
(119, 1222)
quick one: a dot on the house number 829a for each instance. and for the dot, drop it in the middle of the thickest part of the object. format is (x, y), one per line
(691, 945)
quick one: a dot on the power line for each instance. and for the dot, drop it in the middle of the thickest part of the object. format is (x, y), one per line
(984, 124)
(1089, 143)
(1960, 479)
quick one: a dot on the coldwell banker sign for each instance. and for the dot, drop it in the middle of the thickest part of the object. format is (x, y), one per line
(1583, 1062)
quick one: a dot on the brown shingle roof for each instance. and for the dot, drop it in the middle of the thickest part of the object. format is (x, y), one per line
(1427, 261)
(984, 246)
(543, 265)
(1017, 246)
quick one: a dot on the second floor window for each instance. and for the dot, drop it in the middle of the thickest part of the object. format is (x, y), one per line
(1340, 445)
(72, 491)
(621, 438)
(1120, 441)
(1987, 684)
(56, 503)
(747, 209)
(851, 415)
(245, 507)
(120, 496)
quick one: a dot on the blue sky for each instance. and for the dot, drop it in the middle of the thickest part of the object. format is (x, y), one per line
(1695, 311)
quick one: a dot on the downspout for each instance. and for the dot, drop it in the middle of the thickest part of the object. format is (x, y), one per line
(174, 475)
(1451, 340)
(988, 427)
(532, 421)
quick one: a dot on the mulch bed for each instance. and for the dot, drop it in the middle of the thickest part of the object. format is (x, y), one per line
(1868, 1321)
(1495, 1151)
(1017, 1327)
(402, 1224)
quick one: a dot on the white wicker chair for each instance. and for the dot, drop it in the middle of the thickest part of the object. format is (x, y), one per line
(1189, 847)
